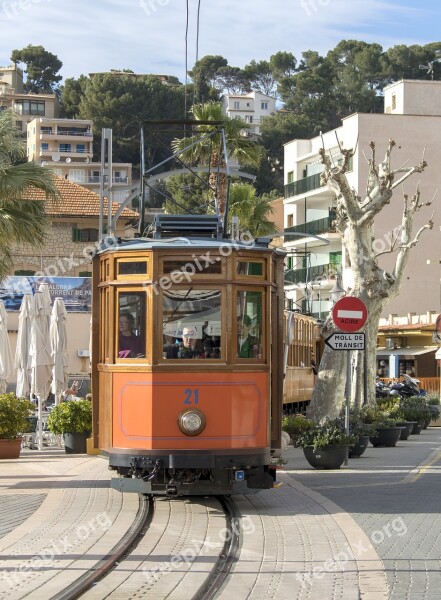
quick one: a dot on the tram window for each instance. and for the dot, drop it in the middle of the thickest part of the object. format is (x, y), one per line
(192, 324)
(249, 325)
(132, 267)
(201, 265)
(249, 268)
(131, 325)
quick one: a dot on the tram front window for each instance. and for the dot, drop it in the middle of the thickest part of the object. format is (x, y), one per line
(249, 325)
(131, 325)
(192, 324)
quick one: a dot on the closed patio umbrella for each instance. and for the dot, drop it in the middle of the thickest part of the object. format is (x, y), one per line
(58, 336)
(40, 356)
(23, 388)
(6, 363)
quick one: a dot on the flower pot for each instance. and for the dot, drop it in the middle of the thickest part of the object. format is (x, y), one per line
(386, 437)
(75, 443)
(405, 429)
(10, 448)
(426, 423)
(418, 425)
(329, 457)
(357, 450)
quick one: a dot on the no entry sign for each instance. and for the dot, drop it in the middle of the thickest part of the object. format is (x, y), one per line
(349, 314)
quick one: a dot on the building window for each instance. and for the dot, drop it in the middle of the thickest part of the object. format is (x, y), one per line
(264, 105)
(84, 235)
(85, 274)
(236, 105)
(290, 221)
(291, 177)
(65, 148)
(24, 272)
(30, 107)
(81, 148)
(248, 119)
(47, 130)
(44, 147)
(394, 102)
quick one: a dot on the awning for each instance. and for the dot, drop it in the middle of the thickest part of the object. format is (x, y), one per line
(408, 352)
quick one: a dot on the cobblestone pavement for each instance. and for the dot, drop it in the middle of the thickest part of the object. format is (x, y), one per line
(394, 494)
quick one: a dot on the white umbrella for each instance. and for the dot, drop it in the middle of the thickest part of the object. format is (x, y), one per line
(40, 358)
(58, 335)
(22, 350)
(6, 363)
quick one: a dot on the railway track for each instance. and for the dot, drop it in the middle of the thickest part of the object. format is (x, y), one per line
(175, 549)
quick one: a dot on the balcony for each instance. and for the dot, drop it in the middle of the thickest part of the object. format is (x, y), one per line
(97, 179)
(317, 227)
(311, 274)
(307, 184)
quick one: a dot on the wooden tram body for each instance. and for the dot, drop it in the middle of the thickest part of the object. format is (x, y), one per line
(202, 422)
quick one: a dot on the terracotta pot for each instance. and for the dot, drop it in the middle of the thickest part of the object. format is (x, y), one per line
(10, 448)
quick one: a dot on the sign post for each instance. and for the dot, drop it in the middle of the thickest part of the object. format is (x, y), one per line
(349, 315)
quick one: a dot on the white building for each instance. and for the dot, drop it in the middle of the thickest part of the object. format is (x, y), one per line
(66, 147)
(413, 119)
(251, 107)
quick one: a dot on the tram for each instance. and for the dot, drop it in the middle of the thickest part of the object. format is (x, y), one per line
(187, 359)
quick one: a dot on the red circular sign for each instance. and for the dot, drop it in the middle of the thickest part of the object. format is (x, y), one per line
(349, 314)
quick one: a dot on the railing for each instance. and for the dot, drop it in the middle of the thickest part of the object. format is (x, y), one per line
(316, 227)
(67, 132)
(307, 275)
(307, 184)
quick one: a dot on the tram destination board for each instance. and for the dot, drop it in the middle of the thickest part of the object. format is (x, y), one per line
(346, 341)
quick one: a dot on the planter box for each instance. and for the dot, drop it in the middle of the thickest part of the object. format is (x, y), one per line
(386, 437)
(10, 448)
(357, 450)
(76, 443)
(330, 457)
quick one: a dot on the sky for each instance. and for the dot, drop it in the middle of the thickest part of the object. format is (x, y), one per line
(148, 36)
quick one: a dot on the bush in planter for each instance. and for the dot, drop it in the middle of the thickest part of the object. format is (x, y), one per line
(331, 433)
(73, 416)
(386, 433)
(14, 416)
(415, 409)
(295, 425)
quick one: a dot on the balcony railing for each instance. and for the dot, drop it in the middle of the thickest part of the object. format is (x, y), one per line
(311, 274)
(307, 184)
(316, 227)
(67, 132)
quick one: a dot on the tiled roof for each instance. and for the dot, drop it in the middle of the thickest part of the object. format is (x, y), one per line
(75, 201)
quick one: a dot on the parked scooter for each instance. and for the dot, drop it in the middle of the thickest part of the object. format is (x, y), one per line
(407, 388)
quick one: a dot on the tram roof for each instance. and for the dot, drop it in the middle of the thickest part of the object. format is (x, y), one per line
(138, 244)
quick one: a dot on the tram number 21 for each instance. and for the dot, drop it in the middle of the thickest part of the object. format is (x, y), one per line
(191, 396)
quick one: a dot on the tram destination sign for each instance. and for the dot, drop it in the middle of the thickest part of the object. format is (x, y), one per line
(346, 341)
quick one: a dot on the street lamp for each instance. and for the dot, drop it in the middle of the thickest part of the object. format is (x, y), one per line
(337, 291)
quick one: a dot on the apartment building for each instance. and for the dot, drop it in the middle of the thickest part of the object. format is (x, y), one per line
(66, 147)
(27, 106)
(251, 107)
(316, 256)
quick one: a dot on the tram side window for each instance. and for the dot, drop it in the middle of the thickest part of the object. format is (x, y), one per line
(192, 324)
(249, 325)
(131, 325)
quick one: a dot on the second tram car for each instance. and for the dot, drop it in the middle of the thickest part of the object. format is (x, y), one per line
(187, 362)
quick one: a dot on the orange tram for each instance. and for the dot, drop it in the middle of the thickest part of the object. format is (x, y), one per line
(187, 367)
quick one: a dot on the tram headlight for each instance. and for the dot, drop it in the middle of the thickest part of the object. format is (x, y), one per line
(191, 422)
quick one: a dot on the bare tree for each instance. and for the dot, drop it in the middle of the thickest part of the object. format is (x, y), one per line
(372, 284)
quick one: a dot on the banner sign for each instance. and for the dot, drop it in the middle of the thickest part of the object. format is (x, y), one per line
(75, 291)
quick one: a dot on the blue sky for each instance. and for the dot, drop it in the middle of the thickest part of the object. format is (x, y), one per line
(148, 36)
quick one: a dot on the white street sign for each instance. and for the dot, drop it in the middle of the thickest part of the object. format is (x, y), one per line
(346, 341)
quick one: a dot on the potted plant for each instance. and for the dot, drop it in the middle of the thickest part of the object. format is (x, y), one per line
(294, 425)
(433, 402)
(73, 420)
(362, 431)
(325, 446)
(14, 421)
(386, 432)
(415, 409)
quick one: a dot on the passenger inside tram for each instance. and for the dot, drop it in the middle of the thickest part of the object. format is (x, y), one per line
(130, 345)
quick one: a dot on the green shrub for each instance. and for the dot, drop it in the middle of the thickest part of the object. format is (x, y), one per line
(330, 434)
(73, 416)
(296, 424)
(415, 409)
(14, 415)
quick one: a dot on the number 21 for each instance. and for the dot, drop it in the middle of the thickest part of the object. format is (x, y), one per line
(191, 396)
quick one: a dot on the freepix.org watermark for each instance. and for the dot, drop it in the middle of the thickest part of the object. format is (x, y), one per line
(339, 561)
(312, 6)
(55, 549)
(151, 6)
(14, 8)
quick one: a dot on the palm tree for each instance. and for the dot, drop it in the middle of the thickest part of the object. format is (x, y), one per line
(21, 219)
(209, 151)
(253, 211)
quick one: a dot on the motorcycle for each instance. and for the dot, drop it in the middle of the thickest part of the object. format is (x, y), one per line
(407, 388)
